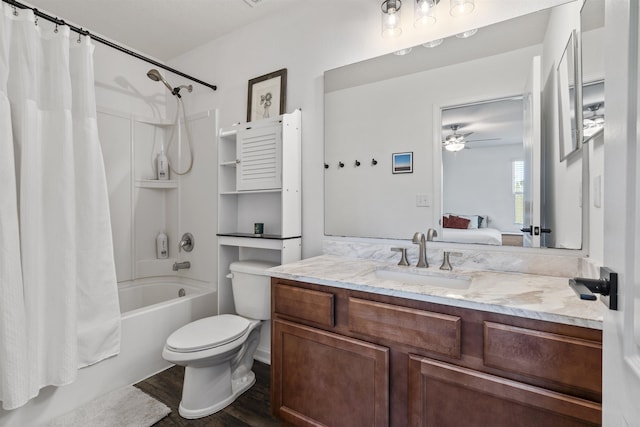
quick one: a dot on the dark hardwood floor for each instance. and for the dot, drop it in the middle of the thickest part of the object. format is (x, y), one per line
(250, 409)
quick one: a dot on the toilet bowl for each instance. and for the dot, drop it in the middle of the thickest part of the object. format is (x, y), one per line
(217, 352)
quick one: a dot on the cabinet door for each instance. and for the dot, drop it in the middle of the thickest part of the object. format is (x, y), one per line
(442, 395)
(320, 378)
(259, 152)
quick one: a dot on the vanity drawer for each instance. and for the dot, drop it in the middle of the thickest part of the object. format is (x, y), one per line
(558, 358)
(429, 331)
(304, 304)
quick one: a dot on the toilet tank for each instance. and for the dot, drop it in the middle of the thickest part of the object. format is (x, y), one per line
(252, 288)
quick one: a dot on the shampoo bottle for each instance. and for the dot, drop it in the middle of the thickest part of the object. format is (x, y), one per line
(162, 165)
(162, 246)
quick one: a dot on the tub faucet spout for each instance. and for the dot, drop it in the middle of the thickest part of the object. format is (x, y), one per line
(181, 265)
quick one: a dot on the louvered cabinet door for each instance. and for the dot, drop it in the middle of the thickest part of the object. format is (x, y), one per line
(259, 152)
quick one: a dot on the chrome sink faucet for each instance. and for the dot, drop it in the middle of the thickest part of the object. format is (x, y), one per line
(419, 239)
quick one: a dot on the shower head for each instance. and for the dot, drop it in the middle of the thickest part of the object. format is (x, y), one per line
(155, 75)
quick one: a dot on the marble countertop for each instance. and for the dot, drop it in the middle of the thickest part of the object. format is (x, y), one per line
(525, 295)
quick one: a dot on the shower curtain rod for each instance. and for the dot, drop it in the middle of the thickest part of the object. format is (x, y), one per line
(107, 42)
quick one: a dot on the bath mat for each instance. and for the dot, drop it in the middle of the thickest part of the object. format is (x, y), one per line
(125, 407)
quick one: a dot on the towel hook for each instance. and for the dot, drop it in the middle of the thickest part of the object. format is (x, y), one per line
(357, 163)
(340, 164)
(374, 162)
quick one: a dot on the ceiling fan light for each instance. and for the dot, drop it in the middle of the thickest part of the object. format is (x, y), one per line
(454, 146)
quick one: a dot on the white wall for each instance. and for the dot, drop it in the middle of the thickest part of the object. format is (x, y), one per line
(307, 40)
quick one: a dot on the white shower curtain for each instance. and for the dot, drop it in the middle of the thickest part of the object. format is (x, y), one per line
(58, 303)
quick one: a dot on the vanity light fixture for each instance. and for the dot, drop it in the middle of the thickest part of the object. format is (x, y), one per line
(433, 43)
(461, 7)
(467, 34)
(424, 12)
(391, 18)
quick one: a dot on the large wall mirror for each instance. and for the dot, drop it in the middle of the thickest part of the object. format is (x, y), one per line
(474, 87)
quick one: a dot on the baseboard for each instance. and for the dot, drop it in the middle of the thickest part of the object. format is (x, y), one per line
(262, 355)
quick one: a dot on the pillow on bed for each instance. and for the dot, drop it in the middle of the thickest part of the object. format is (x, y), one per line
(474, 220)
(457, 222)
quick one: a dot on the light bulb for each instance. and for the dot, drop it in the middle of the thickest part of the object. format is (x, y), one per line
(461, 7)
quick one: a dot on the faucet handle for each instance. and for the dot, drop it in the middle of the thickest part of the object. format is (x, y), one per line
(446, 265)
(403, 255)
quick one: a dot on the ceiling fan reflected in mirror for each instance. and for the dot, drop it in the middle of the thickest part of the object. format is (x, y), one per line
(457, 141)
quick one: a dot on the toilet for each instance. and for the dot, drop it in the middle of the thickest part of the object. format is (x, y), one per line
(217, 352)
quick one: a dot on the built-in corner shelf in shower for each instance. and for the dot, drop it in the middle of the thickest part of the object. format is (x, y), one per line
(156, 183)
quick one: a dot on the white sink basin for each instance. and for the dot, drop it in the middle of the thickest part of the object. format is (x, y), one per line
(428, 278)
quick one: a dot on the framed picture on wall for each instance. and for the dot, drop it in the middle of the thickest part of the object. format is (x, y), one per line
(402, 162)
(267, 95)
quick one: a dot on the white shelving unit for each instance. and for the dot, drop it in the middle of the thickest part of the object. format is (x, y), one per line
(259, 180)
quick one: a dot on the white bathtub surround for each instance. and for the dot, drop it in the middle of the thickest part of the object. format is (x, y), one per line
(526, 295)
(70, 315)
(507, 259)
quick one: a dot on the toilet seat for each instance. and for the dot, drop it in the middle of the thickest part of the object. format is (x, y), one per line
(207, 333)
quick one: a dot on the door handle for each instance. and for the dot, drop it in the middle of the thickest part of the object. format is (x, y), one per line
(606, 285)
(528, 229)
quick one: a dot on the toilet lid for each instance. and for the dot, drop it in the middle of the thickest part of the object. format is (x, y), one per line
(208, 333)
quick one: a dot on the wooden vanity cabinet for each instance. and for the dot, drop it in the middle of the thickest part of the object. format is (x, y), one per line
(352, 358)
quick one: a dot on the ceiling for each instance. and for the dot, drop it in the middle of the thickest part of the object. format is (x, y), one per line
(163, 29)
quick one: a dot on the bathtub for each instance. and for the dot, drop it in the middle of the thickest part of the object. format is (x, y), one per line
(151, 310)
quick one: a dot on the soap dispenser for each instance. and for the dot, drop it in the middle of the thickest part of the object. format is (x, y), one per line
(162, 246)
(162, 165)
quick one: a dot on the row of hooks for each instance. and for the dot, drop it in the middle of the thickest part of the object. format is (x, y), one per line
(356, 163)
(81, 32)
